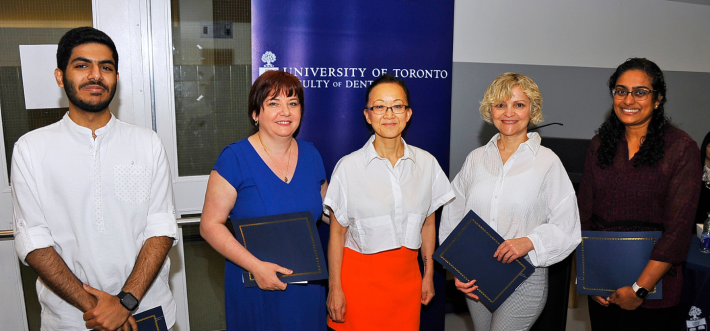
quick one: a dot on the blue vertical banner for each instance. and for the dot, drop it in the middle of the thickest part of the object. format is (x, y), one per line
(337, 48)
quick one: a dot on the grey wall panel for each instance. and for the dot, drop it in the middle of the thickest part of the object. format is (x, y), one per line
(697, 2)
(688, 103)
(574, 96)
(579, 33)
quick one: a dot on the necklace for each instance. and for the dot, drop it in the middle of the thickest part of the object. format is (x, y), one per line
(706, 176)
(272, 159)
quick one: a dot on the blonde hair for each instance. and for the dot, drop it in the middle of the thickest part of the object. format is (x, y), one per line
(501, 90)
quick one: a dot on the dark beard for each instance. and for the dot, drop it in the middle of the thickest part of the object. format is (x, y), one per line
(72, 95)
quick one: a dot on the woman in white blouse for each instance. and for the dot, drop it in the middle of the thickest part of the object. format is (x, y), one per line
(522, 191)
(382, 199)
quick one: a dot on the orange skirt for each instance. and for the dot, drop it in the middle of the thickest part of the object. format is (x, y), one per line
(382, 291)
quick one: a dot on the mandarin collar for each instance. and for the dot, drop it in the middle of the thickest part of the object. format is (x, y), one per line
(86, 131)
(533, 142)
(370, 153)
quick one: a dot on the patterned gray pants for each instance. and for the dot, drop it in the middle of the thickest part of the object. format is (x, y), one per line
(518, 312)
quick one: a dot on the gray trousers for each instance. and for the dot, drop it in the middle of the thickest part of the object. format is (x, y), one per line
(518, 312)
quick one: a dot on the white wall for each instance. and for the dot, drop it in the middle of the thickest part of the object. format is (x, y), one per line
(599, 33)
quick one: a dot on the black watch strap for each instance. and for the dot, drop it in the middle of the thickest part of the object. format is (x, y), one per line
(128, 300)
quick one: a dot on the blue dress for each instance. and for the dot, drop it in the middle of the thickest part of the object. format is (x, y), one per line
(260, 192)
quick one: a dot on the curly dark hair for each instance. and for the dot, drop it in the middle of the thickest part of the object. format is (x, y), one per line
(703, 147)
(651, 150)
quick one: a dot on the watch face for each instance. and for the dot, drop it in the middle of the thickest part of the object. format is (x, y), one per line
(642, 293)
(128, 301)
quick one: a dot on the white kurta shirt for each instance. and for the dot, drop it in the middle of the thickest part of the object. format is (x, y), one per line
(96, 201)
(530, 196)
(384, 207)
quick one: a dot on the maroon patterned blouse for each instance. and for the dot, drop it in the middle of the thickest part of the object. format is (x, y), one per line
(664, 197)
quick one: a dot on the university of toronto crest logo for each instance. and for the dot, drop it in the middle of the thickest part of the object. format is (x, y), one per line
(267, 58)
(695, 323)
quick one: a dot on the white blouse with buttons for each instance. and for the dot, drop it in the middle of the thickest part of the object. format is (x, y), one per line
(528, 196)
(384, 206)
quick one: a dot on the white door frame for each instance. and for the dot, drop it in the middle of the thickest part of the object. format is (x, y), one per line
(12, 306)
(142, 33)
(189, 191)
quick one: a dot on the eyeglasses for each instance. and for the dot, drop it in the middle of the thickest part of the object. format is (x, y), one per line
(639, 94)
(382, 109)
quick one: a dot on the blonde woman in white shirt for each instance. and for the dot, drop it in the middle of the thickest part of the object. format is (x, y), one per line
(522, 191)
(383, 198)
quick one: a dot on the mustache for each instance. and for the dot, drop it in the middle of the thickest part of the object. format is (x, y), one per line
(99, 83)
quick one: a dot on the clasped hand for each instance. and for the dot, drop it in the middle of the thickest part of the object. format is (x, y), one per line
(108, 314)
(266, 278)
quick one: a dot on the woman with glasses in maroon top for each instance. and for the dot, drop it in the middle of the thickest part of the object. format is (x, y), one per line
(641, 175)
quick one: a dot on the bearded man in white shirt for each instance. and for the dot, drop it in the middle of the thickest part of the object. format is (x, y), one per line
(93, 201)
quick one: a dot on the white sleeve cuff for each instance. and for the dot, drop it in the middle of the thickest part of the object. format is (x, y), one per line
(339, 214)
(30, 239)
(162, 225)
(446, 198)
(537, 254)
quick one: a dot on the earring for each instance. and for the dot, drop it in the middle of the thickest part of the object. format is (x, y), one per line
(256, 123)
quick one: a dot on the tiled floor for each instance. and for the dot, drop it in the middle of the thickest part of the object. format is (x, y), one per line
(577, 319)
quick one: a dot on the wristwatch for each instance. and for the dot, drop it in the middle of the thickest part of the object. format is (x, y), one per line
(128, 300)
(641, 291)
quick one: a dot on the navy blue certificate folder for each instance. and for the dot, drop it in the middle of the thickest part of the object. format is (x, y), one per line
(151, 320)
(289, 240)
(468, 254)
(607, 261)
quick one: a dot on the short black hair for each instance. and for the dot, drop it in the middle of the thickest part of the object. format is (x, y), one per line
(387, 78)
(271, 84)
(80, 36)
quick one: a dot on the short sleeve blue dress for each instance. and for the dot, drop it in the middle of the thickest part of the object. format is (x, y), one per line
(261, 193)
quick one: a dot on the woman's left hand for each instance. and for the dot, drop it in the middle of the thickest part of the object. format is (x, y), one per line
(512, 249)
(625, 298)
(427, 290)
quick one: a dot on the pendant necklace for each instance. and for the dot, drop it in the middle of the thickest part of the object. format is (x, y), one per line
(272, 159)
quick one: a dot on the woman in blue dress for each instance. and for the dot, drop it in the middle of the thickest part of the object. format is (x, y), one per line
(268, 173)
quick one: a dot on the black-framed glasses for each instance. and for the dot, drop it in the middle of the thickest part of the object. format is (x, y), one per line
(382, 109)
(639, 94)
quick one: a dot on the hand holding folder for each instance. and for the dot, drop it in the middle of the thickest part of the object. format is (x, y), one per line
(607, 261)
(287, 240)
(266, 275)
(468, 254)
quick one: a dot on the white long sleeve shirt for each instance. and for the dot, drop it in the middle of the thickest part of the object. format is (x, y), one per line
(95, 201)
(528, 196)
(384, 207)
